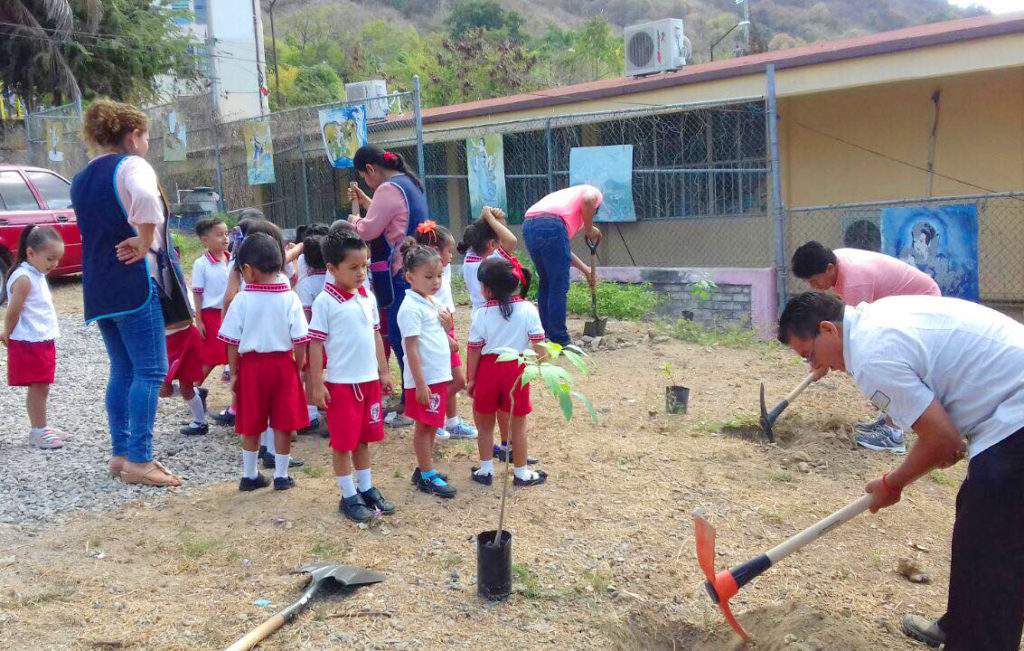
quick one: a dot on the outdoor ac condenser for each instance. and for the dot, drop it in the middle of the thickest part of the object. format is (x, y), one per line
(659, 46)
(373, 94)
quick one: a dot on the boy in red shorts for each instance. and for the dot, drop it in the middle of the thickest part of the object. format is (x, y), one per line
(209, 282)
(346, 324)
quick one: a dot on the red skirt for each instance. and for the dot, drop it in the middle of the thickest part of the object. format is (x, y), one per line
(31, 362)
(433, 413)
(185, 357)
(214, 352)
(456, 358)
(355, 414)
(268, 389)
(494, 388)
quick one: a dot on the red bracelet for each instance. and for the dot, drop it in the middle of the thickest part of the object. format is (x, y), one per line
(889, 488)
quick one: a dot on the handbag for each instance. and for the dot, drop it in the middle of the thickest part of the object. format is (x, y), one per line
(175, 301)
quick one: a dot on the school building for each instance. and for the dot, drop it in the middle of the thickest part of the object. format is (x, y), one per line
(933, 114)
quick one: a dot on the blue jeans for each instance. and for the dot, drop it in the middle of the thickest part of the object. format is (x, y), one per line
(394, 332)
(137, 348)
(547, 240)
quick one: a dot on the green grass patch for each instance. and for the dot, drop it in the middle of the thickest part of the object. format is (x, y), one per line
(321, 550)
(530, 582)
(624, 301)
(189, 248)
(313, 471)
(459, 292)
(195, 546)
(726, 337)
(781, 477)
(939, 478)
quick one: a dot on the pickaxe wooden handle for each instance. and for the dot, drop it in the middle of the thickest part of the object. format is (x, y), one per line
(768, 418)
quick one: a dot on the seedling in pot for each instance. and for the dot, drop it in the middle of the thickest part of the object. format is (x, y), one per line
(677, 397)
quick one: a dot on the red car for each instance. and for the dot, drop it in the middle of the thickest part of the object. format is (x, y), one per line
(32, 195)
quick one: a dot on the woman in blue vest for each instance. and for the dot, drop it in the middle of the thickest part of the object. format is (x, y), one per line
(398, 206)
(121, 217)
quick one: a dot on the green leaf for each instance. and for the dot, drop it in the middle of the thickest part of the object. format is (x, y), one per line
(586, 403)
(509, 356)
(577, 361)
(547, 373)
(565, 401)
(529, 352)
(530, 373)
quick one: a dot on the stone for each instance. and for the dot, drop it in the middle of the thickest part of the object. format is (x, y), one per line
(911, 570)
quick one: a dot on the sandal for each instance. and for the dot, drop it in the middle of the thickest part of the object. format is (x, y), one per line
(116, 466)
(147, 478)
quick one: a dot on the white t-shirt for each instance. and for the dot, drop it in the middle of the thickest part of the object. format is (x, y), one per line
(470, 266)
(265, 319)
(418, 317)
(905, 351)
(310, 286)
(346, 323)
(210, 278)
(38, 318)
(444, 296)
(491, 331)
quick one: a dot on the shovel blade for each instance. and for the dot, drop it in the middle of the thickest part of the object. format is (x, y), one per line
(348, 575)
(595, 328)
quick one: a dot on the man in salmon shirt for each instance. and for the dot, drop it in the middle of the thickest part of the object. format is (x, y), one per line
(858, 276)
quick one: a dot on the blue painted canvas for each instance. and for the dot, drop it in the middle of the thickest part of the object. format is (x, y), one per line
(610, 169)
(485, 166)
(343, 130)
(941, 241)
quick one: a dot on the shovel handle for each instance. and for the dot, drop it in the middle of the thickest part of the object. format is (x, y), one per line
(591, 245)
(819, 529)
(800, 388)
(258, 634)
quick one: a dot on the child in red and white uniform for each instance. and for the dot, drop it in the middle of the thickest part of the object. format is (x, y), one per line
(185, 364)
(266, 333)
(430, 234)
(30, 328)
(309, 286)
(346, 325)
(209, 283)
(428, 359)
(505, 322)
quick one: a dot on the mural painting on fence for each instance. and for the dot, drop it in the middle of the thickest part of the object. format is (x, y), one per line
(485, 160)
(610, 169)
(54, 136)
(343, 130)
(941, 241)
(259, 150)
(175, 137)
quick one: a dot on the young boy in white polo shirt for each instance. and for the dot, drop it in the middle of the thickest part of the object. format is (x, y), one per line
(346, 325)
(209, 282)
(954, 372)
(266, 334)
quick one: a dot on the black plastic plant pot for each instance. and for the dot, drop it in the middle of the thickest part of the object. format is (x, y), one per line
(676, 399)
(494, 566)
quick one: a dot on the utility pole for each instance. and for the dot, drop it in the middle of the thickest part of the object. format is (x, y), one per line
(273, 38)
(746, 23)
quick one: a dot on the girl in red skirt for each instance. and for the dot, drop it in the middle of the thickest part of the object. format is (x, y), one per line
(185, 364)
(266, 334)
(30, 328)
(505, 322)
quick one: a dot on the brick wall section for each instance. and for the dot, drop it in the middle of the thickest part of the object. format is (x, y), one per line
(727, 305)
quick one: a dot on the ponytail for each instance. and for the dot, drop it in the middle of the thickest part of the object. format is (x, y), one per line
(23, 244)
(32, 237)
(502, 278)
(476, 237)
(371, 155)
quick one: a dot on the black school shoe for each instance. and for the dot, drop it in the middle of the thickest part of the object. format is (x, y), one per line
(539, 479)
(283, 483)
(436, 485)
(501, 452)
(374, 500)
(486, 480)
(268, 460)
(416, 476)
(225, 418)
(195, 429)
(312, 428)
(355, 509)
(247, 484)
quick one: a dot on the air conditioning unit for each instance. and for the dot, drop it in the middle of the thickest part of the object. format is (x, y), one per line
(659, 46)
(373, 94)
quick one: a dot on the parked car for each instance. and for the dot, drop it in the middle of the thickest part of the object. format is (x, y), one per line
(33, 195)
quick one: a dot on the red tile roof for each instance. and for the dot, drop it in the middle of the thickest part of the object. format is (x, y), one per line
(933, 34)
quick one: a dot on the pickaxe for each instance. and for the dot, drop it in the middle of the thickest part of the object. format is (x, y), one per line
(722, 586)
(768, 418)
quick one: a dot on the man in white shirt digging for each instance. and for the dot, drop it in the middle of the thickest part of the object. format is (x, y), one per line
(954, 372)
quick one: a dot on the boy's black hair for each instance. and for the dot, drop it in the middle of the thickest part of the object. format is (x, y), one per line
(476, 236)
(804, 313)
(312, 251)
(266, 228)
(811, 259)
(335, 247)
(300, 233)
(415, 255)
(498, 275)
(262, 252)
(204, 225)
(343, 226)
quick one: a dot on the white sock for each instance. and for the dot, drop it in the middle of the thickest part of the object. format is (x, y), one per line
(249, 460)
(268, 441)
(175, 390)
(451, 422)
(365, 479)
(39, 430)
(281, 465)
(312, 412)
(347, 486)
(524, 473)
(486, 468)
(195, 405)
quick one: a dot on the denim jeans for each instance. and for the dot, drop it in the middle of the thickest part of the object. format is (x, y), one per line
(547, 240)
(137, 348)
(394, 333)
(985, 610)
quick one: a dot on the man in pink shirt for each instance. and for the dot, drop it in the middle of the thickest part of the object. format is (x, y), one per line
(860, 276)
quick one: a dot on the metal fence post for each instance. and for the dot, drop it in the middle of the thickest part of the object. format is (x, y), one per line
(305, 179)
(777, 208)
(550, 150)
(418, 118)
(220, 171)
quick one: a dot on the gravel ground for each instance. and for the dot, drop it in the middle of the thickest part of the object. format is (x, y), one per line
(39, 485)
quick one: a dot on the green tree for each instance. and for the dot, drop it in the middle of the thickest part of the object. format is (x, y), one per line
(596, 50)
(486, 15)
(318, 84)
(476, 66)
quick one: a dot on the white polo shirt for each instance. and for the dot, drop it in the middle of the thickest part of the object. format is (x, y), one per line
(265, 319)
(38, 318)
(418, 317)
(905, 351)
(210, 278)
(310, 286)
(444, 295)
(491, 331)
(470, 266)
(346, 323)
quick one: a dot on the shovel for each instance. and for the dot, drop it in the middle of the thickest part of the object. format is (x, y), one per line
(596, 327)
(320, 574)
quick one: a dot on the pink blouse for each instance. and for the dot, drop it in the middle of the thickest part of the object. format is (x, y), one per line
(139, 193)
(567, 204)
(388, 215)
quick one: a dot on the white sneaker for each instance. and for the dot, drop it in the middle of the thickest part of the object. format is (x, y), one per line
(462, 430)
(48, 439)
(442, 434)
(395, 419)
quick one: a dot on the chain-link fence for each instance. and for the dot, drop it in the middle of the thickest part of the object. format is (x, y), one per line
(54, 140)
(1000, 220)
